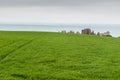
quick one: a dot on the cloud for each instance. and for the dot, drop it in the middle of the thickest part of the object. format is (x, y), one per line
(69, 3)
(73, 5)
(60, 10)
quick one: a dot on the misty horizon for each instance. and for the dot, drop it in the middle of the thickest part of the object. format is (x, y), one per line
(114, 28)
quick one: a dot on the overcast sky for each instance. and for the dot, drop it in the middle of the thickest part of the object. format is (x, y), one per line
(60, 11)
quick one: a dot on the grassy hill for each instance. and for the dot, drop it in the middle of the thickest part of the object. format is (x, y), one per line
(58, 56)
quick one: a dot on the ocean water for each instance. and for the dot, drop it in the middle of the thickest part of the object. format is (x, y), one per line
(113, 28)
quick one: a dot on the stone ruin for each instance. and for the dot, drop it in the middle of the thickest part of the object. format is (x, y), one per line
(104, 34)
(87, 31)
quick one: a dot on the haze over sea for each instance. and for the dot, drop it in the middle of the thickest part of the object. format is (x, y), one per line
(113, 28)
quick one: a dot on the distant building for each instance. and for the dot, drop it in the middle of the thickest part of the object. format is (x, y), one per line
(86, 31)
(71, 32)
(93, 33)
(104, 34)
(63, 31)
(98, 34)
(77, 32)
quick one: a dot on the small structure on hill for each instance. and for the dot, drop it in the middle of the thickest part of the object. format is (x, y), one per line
(72, 32)
(104, 34)
(63, 31)
(87, 31)
(92, 33)
(77, 32)
(98, 34)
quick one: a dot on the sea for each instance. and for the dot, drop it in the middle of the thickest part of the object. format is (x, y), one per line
(114, 29)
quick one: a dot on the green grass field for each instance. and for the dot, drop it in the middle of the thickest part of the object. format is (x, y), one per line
(58, 56)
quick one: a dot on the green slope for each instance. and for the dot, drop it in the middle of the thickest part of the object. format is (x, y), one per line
(58, 56)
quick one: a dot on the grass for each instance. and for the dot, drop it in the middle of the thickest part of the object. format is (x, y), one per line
(58, 56)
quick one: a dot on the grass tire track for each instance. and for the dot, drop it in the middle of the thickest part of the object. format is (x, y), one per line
(7, 54)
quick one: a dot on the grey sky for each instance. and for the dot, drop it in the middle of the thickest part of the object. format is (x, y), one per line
(60, 11)
(57, 2)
